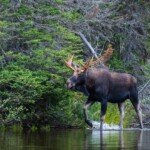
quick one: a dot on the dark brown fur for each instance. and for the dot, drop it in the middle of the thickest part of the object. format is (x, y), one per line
(105, 86)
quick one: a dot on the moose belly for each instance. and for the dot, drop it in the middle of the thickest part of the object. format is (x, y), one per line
(118, 97)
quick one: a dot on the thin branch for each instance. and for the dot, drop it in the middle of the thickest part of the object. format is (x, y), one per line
(144, 87)
(136, 124)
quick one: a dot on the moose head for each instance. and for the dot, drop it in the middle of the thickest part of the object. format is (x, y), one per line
(77, 80)
(78, 73)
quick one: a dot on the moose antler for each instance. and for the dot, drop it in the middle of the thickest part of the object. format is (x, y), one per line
(69, 63)
(105, 57)
(107, 54)
(79, 69)
(101, 60)
(87, 64)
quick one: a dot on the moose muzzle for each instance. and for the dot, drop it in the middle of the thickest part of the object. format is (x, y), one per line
(70, 84)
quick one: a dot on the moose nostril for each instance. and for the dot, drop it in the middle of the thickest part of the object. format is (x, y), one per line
(69, 85)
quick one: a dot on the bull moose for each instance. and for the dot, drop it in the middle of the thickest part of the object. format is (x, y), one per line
(104, 86)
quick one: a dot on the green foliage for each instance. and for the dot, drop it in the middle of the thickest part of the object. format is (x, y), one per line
(59, 1)
(71, 15)
(4, 2)
(32, 81)
(24, 10)
(3, 24)
(31, 87)
(116, 62)
(47, 9)
(147, 70)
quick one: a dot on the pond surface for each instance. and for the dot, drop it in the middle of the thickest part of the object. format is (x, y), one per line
(76, 139)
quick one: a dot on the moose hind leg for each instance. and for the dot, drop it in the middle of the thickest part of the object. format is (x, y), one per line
(85, 108)
(138, 110)
(103, 112)
(121, 110)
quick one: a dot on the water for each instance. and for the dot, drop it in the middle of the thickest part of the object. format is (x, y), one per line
(106, 126)
(76, 139)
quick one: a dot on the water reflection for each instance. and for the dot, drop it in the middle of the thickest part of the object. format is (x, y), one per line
(76, 140)
(105, 140)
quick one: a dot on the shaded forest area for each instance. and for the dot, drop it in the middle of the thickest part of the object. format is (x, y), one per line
(37, 36)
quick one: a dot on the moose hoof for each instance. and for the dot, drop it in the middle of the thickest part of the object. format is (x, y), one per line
(89, 122)
(142, 127)
(120, 127)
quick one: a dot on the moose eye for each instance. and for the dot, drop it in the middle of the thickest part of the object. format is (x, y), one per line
(73, 79)
(78, 71)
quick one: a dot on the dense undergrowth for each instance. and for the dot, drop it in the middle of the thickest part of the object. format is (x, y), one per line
(35, 38)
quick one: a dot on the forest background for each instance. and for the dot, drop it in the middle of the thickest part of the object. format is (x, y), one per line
(36, 36)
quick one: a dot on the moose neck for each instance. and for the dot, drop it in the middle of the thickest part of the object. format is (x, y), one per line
(80, 85)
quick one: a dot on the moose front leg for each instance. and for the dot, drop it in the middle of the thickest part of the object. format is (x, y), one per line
(103, 112)
(121, 110)
(87, 104)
